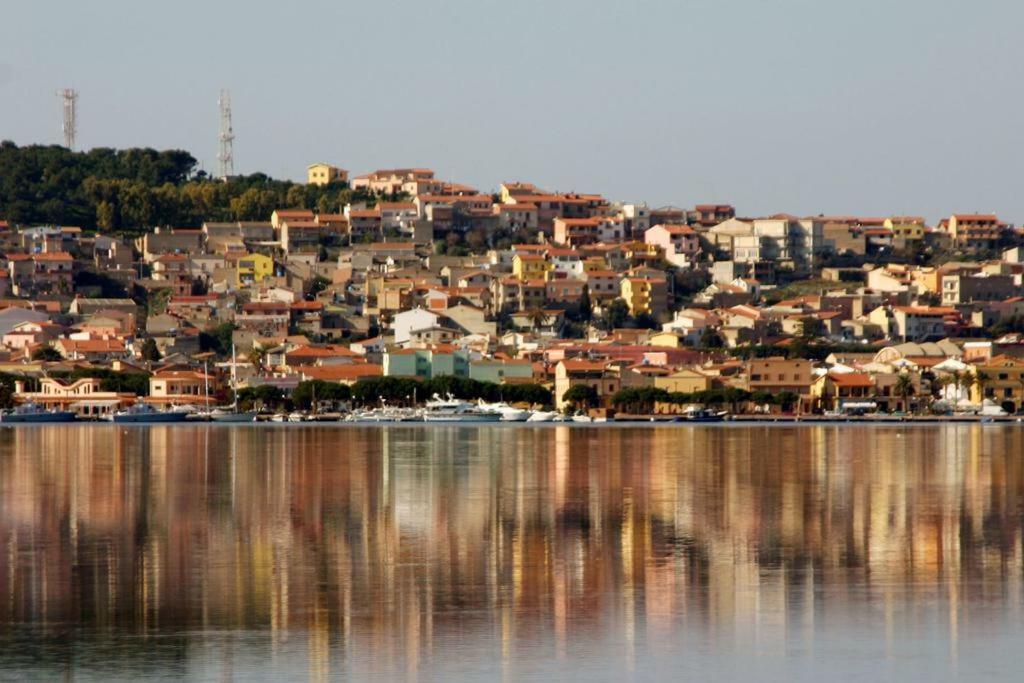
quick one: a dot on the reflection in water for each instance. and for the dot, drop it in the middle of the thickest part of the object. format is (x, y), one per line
(474, 552)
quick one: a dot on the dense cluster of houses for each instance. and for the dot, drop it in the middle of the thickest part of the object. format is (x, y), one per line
(525, 285)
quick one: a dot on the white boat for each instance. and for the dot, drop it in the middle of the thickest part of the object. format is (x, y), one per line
(456, 410)
(387, 414)
(542, 416)
(279, 417)
(508, 413)
(296, 417)
(231, 415)
(585, 419)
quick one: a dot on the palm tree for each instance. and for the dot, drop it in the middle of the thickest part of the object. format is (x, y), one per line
(537, 318)
(257, 355)
(904, 388)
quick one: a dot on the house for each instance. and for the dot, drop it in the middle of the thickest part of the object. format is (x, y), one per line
(965, 289)
(681, 243)
(435, 361)
(253, 269)
(281, 215)
(530, 267)
(573, 372)
(182, 387)
(603, 285)
(49, 272)
(325, 174)
(707, 215)
(972, 230)
(93, 350)
(169, 241)
(265, 318)
(919, 323)
(84, 396)
(501, 370)
(776, 375)
(394, 180)
(684, 381)
(844, 391)
(343, 374)
(645, 293)
(1000, 380)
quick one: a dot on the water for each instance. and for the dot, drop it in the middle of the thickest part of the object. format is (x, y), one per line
(494, 552)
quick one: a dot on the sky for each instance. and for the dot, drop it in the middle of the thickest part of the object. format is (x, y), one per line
(868, 108)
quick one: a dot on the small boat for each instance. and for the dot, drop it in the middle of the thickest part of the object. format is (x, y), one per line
(231, 415)
(279, 417)
(34, 413)
(143, 413)
(456, 410)
(583, 419)
(542, 416)
(698, 414)
(296, 417)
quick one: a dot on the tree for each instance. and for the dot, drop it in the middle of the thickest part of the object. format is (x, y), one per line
(257, 356)
(537, 318)
(640, 400)
(734, 396)
(711, 339)
(904, 388)
(786, 400)
(616, 314)
(810, 327)
(581, 396)
(157, 300)
(584, 309)
(307, 394)
(646, 321)
(260, 397)
(217, 339)
(47, 353)
(150, 352)
(319, 284)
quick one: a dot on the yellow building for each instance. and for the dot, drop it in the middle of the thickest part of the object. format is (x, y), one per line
(1000, 380)
(323, 174)
(254, 268)
(667, 339)
(907, 228)
(685, 381)
(530, 267)
(643, 295)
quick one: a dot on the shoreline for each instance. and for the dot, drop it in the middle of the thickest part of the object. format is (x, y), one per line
(621, 422)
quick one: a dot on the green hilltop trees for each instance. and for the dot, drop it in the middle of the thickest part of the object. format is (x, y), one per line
(132, 190)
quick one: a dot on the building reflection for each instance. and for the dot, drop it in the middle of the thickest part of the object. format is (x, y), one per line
(395, 541)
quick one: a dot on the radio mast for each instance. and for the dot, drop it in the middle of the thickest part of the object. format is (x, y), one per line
(226, 156)
(69, 98)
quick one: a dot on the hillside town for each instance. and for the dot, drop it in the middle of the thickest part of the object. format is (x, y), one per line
(571, 300)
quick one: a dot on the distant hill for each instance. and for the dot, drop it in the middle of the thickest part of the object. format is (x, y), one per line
(134, 190)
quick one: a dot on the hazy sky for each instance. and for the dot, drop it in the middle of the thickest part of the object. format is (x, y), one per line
(806, 106)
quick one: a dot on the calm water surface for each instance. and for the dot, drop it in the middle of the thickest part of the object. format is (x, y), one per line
(483, 553)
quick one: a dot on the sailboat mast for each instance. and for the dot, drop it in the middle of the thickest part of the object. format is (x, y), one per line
(234, 383)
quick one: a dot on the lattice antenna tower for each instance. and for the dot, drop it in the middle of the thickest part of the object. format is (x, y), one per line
(226, 156)
(69, 126)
